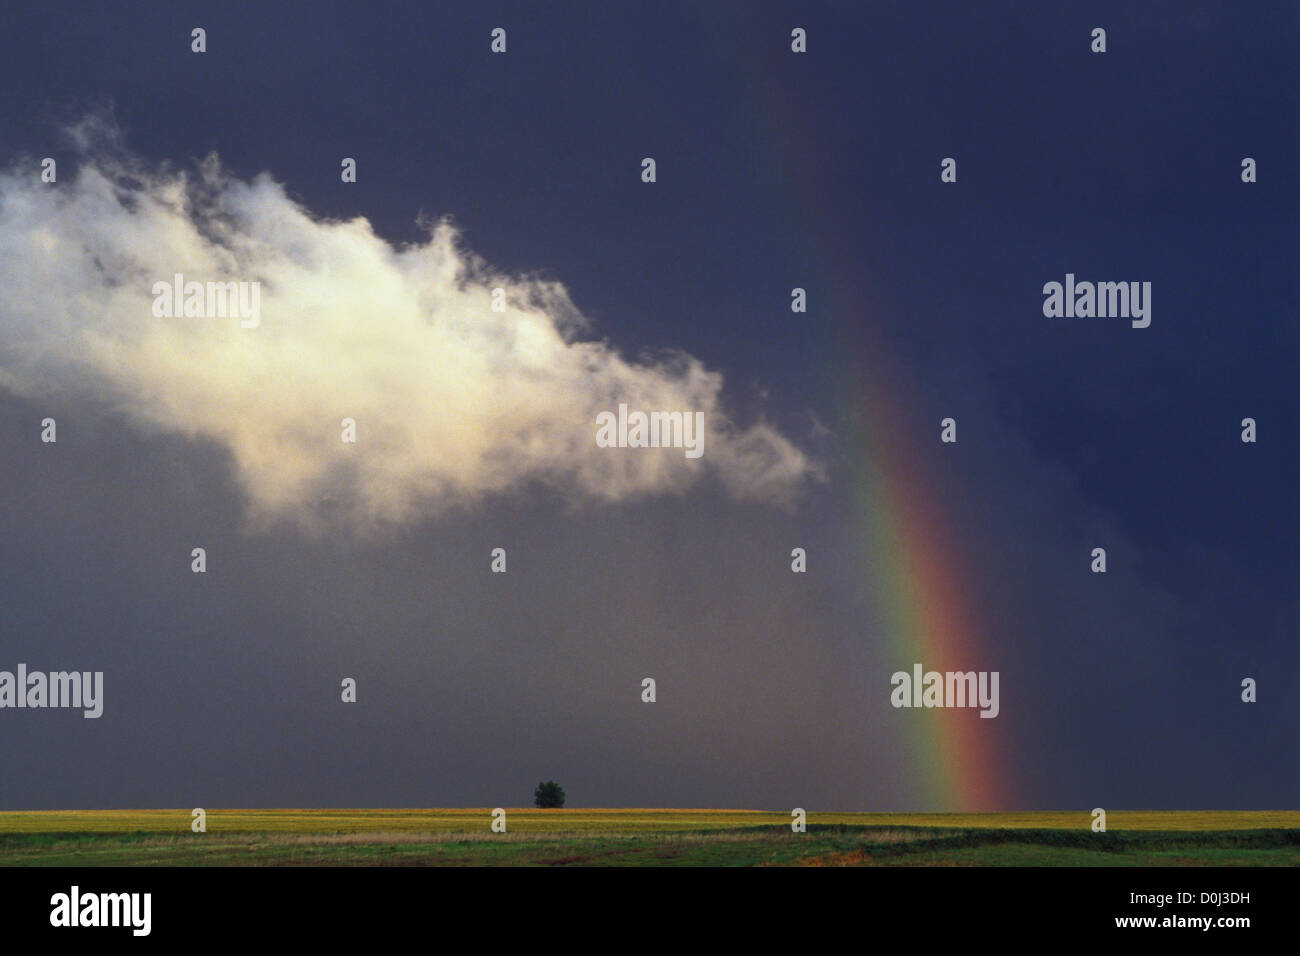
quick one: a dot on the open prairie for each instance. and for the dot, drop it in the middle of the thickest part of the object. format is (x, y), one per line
(462, 837)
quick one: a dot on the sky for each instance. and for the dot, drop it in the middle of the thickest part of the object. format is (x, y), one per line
(774, 170)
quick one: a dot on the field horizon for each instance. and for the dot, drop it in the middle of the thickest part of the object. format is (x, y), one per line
(462, 836)
(362, 819)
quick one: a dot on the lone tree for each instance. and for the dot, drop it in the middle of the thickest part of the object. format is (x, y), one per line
(549, 795)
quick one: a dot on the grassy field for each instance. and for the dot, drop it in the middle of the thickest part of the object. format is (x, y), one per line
(633, 837)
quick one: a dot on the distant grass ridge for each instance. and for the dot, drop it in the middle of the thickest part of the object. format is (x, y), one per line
(632, 819)
(640, 837)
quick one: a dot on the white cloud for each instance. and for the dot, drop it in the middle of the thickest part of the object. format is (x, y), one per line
(454, 402)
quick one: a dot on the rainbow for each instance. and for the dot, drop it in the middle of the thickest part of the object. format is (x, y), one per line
(918, 582)
(914, 573)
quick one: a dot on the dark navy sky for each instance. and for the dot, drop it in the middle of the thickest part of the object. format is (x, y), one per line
(774, 171)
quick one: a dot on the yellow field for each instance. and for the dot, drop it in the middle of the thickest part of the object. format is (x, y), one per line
(529, 820)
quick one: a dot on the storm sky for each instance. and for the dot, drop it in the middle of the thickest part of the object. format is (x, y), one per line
(522, 172)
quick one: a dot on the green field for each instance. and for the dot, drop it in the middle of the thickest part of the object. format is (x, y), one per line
(638, 837)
